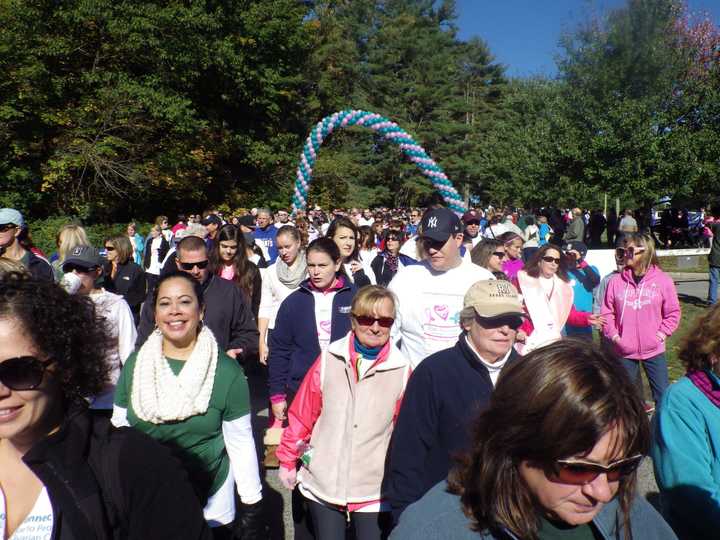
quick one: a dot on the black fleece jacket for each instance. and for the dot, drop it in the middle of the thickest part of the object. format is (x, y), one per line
(106, 483)
(444, 394)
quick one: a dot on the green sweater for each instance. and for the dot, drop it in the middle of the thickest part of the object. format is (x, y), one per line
(197, 441)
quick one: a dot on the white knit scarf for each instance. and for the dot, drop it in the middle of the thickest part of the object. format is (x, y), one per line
(158, 395)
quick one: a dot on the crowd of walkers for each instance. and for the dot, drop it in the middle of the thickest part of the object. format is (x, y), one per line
(425, 375)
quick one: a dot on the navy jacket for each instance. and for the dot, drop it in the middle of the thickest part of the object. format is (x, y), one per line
(293, 343)
(444, 394)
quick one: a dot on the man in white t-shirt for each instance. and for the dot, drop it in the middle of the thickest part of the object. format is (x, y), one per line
(430, 294)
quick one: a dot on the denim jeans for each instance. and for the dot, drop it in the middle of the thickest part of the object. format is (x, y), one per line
(656, 371)
(714, 279)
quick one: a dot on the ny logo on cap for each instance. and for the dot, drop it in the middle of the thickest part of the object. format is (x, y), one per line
(432, 223)
(78, 250)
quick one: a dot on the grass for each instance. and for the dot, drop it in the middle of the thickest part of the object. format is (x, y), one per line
(670, 264)
(690, 311)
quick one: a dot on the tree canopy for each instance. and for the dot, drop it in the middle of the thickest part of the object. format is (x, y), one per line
(117, 109)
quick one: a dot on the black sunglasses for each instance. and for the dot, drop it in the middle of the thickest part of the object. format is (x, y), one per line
(189, 266)
(109, 248)
(7, 226)
(70, 268)
(549, 259)
(23, 372)
(499, 254)
(385, 322)
(578, 472)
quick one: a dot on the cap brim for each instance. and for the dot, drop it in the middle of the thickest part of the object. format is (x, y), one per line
(501, 315)
(437, 236)
(82, 264)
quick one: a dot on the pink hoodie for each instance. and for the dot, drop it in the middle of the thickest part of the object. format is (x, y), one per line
(636, 312)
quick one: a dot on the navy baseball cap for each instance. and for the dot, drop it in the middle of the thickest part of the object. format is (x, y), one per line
(439, 224)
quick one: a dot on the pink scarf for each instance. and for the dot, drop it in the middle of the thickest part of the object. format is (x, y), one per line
(706, 384)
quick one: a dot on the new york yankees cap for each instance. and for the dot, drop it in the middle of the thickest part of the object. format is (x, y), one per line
(439, 224)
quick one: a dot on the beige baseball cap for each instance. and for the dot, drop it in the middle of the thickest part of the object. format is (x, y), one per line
(493, 298)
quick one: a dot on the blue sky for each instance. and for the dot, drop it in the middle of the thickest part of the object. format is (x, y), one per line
(523, 34)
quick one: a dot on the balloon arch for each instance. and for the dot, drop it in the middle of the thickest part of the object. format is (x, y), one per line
(389, 130)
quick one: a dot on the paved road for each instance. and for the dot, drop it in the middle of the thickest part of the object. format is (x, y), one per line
(690, 287)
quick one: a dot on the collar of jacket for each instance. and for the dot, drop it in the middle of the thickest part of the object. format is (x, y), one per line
(307, 287)
(472, 359)
(69, 443)
(389, 358)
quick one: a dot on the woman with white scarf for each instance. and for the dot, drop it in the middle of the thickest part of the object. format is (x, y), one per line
(279, 280)
(548, 300)
(183, 391)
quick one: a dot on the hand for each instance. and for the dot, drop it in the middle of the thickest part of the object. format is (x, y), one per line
(598, 321)
(662, 337)
(234, 353)
(521, 336)
(616, 339)
(263, 352)
(278, 409)
(355, 266)
(288, 477)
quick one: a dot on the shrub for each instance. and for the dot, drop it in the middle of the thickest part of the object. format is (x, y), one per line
(44, 231)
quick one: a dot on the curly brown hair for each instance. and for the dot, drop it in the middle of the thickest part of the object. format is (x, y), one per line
(702, 341)
(64, 327)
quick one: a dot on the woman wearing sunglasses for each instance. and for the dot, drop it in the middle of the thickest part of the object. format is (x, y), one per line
(490, 254)
(554, 456)
(548, 300)
(64, 469)
(513, 262)
(641, 310)
(387, 263)
(184, 391)
(341, 421)
(686, 445)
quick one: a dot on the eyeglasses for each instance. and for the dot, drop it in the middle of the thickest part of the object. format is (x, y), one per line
(549, 259)
(5, 227)
(70, 268)
(499, 254)
(189, 266)
(23, 372)
(364, 320)
(629, 252)
(109, 248)
(578, 472)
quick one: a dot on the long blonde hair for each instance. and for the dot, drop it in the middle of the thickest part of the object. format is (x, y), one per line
(649, 256)
(69, 237)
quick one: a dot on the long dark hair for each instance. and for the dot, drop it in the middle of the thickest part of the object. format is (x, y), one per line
(532, 267)
(568, 383)
(344, 222)
(245, 271)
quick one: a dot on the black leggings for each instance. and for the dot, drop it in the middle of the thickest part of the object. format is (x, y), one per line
(331, 524)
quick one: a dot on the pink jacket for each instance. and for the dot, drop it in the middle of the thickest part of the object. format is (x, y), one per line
(637, 312)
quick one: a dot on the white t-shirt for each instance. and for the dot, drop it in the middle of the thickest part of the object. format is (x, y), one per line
(323, 317)
(37, 524)
(155, 256)
(429, 305)
(120, 321)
